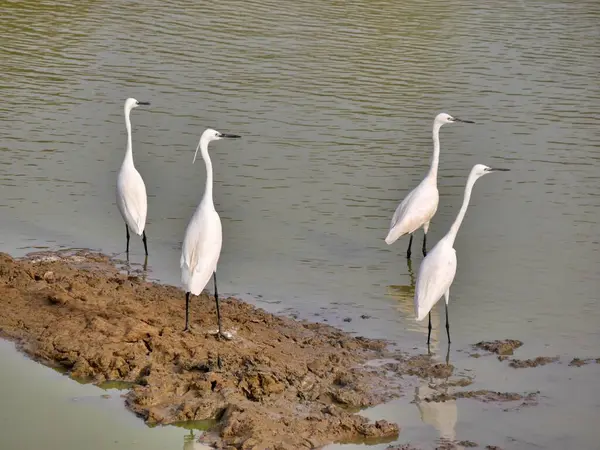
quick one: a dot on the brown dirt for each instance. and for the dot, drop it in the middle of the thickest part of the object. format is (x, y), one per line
(504, 347)
(278, 384)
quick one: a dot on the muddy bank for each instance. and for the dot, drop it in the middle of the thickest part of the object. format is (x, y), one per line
(279, 383)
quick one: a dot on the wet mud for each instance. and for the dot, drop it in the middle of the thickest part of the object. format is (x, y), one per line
(278, 383)
(578, 362)
(527, 363)
(505, 348)
(487, 396)
(500, 347)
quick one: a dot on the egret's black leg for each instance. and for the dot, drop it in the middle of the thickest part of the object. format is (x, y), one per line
(411, 274)
(429, 330)
(425, 244)
(217, 302)
(409, 246)
(145, 264)
(447, 324)
(187, 311)
(145, 242)
(448, 355)
(127, 231)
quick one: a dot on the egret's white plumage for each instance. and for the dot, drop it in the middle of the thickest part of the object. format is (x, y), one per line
(203, 236)
(420, 205)
(131, 190)
(438, 268)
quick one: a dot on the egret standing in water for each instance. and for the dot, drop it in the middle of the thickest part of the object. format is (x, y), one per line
(131, 191)
(438, 268)
(420, 205)
(203, 236)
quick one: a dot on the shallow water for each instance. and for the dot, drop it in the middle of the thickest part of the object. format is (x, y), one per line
(335, 103)
(49, 410)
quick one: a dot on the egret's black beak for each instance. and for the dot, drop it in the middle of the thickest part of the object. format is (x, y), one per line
(231, 136)
(144, 103)
(456, 119)
(500, 170)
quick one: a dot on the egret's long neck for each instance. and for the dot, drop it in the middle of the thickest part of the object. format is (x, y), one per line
(435, 159)
(207, 198)
(451, 236)
(129, 152)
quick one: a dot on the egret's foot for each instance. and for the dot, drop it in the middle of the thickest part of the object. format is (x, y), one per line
(187, 330)
(224, 335)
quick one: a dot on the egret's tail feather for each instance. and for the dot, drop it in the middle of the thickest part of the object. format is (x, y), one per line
(393, 236)
(421, 314)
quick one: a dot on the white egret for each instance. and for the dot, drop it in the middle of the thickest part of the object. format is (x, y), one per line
(131, 191)
(438, 268)
(203, 236)
(419, 206)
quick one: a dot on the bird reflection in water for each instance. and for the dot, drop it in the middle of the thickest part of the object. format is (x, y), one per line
(442, 415)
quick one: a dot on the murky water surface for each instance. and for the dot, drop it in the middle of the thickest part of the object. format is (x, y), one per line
(335, 101)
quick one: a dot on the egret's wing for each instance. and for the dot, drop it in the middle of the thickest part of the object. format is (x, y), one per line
(436, 274)
(416, 209)
(402, 208)
(201, 249)
(133, 201)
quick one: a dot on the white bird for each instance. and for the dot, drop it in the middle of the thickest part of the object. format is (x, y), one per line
(131, 191)
(420, 205)
(438, 268)
(203, 236)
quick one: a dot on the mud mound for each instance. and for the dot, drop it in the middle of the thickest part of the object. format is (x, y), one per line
(278, 383)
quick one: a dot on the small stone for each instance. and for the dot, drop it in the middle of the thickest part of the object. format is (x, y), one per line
(49, 276)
